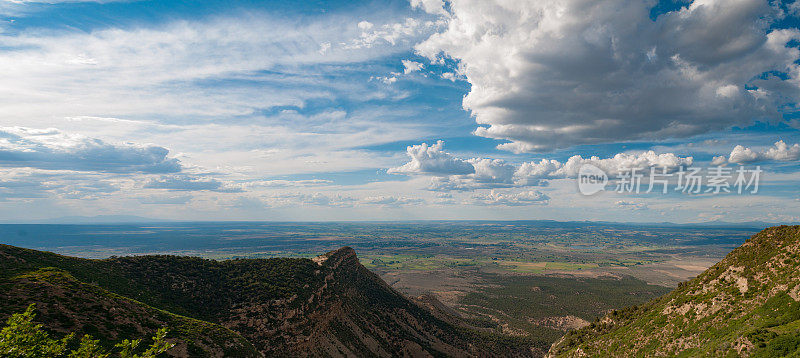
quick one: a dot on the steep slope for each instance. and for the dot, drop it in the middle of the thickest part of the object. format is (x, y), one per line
(748, 304)
(364, 316)
(64, 304)
(331, 306)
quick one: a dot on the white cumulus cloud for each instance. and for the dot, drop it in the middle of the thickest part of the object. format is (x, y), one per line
(452, 173)
(612, 166)
(411, 66)
(780, 152)
(430, 6)
(550, 74)
(719, 160)
(432, 160)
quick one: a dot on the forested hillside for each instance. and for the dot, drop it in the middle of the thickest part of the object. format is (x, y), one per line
(329, 306)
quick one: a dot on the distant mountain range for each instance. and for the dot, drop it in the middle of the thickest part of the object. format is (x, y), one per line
(98, 219)
(748, 304)
(133, 219)
(282, 307)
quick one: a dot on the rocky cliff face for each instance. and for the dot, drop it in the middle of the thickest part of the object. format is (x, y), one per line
(748, 304)
(352, 312)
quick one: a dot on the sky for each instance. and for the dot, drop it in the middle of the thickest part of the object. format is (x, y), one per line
(400, 110)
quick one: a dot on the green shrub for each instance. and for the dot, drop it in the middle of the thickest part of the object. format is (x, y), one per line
(22, 338)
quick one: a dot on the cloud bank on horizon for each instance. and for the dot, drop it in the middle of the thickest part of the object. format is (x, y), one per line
(276, 111)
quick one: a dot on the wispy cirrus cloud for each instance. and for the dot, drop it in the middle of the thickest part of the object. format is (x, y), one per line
(248, 84)
(165, 199)
(190, 183)
(632, 205)
(236, 65)
(314, 198)
(22, 7)
(524, 198)
(388, 200)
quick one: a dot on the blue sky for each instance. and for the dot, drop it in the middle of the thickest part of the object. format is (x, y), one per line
(394, 110)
